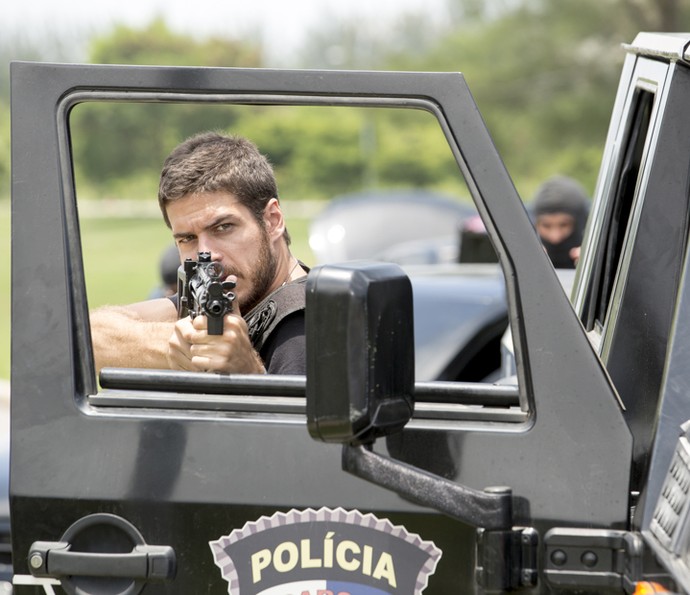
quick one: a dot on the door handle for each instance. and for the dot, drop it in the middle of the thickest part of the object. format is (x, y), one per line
(54, 559)
(83, 564)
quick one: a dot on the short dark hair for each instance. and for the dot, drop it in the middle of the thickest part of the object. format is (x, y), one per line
(209, 162)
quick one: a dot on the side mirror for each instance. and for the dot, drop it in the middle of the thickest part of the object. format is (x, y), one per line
(360, 385)
(360, 351)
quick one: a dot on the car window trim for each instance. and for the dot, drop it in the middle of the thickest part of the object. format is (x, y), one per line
(125, 389)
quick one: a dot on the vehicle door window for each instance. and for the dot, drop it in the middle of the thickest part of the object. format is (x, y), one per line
(636, 270)
(618, 212)
(354, 183)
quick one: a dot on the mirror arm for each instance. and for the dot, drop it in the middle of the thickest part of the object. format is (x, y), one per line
(490, 509)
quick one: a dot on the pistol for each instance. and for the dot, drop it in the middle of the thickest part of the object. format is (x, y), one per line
(200, 290)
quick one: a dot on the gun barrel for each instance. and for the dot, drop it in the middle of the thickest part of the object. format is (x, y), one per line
(215, 305)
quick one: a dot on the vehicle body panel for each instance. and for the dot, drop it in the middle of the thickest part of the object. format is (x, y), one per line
(639, 319)
(186, 469)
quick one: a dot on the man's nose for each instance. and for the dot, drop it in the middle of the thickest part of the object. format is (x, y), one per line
(555, 236)
(206, 245)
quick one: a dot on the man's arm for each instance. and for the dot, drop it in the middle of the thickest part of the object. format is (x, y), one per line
(148, 335)
(134, 336)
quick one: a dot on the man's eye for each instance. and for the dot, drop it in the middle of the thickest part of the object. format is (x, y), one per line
(185, 239)
(223, 227)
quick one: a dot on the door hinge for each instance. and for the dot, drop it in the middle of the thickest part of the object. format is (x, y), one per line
(506, 560)
(593, 558)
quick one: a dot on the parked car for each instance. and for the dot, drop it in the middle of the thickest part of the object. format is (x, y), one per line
(460, 308)
(372, 224)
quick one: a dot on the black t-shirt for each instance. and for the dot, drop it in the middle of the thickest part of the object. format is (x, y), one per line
(285, 350)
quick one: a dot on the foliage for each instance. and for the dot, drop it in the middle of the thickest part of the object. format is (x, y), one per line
(4, 150)
(316, 153)
(320, 152)
(19, 45)
(108, 143)
(117, 144)
(157, 44)
(545, 84)
(360, 44)
(543, 73)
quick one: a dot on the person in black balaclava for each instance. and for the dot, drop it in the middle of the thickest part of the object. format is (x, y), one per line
(560, 211)
(168, 265)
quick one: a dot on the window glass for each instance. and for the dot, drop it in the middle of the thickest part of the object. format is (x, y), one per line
(618, 212)
(318, 154)
(378, 183)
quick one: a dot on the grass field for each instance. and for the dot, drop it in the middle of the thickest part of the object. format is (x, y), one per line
(120, 262)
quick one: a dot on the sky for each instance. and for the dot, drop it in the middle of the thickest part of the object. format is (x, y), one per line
(280, 23)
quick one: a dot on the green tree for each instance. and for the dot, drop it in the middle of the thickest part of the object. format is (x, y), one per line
(119, 148)
(314, 154)
(544, 74)
(656, 15)
(356, 43)
(156, 43)
(320, 152)
(4, 150)
(17, 45)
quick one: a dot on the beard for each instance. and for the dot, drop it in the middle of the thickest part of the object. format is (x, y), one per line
(261, 276)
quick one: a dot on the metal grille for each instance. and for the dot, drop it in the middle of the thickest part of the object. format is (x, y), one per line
(672, 507)
(5, 555)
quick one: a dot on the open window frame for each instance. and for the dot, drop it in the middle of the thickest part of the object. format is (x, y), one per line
(446, 96)
(559, 374)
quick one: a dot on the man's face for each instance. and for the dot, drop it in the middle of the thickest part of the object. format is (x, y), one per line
(555, 227)
(218, 223)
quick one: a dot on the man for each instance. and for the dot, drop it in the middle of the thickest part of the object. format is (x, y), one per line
(218, 194)
(168, 265)
(560, 210)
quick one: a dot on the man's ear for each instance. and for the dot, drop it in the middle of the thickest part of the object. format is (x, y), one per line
(273, 219)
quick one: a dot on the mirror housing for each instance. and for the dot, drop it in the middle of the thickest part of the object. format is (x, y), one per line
(360, 351)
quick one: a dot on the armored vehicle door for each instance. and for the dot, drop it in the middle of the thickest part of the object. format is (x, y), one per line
(642, 315)
(629, 281)
(199, 483)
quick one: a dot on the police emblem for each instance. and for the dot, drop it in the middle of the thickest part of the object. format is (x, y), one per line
(324, 552)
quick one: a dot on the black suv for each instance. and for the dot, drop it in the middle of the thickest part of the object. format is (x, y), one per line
(574, 477)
